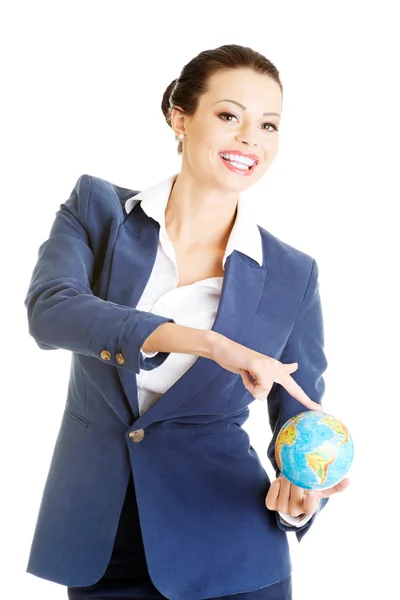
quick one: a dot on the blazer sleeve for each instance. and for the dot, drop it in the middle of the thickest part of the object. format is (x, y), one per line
(62, 310)
(305, 346)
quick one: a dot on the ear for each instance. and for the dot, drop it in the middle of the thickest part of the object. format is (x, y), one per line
(178, 120)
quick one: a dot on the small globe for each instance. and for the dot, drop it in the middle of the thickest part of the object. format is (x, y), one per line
(314, 450)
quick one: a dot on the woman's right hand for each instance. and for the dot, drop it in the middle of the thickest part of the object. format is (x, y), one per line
(258, 371)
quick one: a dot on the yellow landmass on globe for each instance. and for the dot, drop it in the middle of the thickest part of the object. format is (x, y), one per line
(320, 459)
(286, 437)
(337, 427)
(296, 419)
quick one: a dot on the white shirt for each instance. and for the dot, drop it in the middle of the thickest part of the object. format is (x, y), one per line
(193, 305)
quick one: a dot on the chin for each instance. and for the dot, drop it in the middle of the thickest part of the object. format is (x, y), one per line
(238, 183)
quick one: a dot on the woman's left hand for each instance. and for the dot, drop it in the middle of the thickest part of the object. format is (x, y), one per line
(292, 500)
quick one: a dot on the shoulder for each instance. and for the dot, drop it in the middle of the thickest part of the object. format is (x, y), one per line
(283, 258)
(99, 195)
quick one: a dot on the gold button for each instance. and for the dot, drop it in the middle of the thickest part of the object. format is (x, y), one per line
(136, 436)
(105, 355)
(120, 358)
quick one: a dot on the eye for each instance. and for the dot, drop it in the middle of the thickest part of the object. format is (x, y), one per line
(271, 125)
(223, 116)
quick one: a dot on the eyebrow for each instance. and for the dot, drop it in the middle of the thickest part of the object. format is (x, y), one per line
(244, 108)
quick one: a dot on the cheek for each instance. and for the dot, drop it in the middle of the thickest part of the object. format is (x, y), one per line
(271, 141)
(213, 133)
(270, 149)
(274, 144)
(203, 141)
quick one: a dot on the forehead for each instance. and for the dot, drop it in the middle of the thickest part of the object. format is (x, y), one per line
(244, 86)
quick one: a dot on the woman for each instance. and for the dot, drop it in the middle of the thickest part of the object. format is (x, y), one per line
(179, 311)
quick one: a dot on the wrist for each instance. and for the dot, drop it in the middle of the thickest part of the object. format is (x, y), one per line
(213, 341)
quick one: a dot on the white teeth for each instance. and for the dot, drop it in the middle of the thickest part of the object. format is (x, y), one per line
(239, 166)
(237, 158)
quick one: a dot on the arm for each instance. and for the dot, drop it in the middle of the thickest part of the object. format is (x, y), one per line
(304, 346)
(62, 310)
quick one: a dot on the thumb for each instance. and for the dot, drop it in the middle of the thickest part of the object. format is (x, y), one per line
(339, 487)
(310, 501)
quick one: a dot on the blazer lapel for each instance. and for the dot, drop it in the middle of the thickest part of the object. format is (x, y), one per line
(134, 255)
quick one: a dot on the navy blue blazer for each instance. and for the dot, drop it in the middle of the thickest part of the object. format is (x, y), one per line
(200, 486)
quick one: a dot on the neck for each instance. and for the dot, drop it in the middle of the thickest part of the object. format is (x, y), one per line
(197, 214)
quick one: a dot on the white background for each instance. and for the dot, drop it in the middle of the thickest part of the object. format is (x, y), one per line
(82, 84)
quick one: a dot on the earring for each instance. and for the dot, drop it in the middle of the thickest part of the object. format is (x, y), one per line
(181, 136)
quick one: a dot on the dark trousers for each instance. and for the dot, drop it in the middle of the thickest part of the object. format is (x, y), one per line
(127, 577)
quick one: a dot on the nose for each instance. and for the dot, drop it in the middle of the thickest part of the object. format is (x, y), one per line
(246, 138)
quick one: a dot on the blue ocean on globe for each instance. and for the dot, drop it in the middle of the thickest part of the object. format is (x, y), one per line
(314, 450)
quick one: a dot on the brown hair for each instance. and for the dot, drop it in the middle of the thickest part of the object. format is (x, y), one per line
(185, 91)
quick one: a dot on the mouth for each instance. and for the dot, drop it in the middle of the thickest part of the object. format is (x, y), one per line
(238, 162)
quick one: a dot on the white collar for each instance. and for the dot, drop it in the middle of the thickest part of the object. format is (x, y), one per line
(245, 235)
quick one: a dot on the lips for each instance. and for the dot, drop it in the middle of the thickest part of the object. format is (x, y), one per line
(241, 163)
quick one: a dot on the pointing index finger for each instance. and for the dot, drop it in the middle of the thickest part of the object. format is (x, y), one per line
(297, 392)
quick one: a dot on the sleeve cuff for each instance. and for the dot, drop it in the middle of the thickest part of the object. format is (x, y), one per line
(299, 521)
(148, 354)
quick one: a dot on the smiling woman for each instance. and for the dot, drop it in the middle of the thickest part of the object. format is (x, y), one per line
(179, 310)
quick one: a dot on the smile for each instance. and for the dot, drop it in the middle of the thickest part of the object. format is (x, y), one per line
(238, 162)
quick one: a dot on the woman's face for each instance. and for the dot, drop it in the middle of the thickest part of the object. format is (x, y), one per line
(237, 118)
